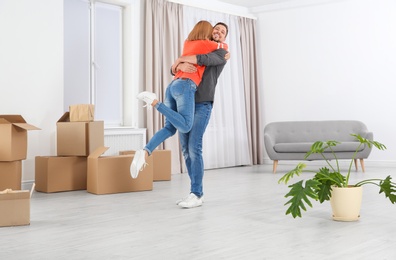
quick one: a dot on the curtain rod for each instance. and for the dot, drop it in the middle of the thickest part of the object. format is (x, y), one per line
(193, 4)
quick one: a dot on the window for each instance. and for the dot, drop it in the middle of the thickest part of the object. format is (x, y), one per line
(98, 64)
(106, 62)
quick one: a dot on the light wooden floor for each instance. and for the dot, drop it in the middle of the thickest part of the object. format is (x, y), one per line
(242, 218)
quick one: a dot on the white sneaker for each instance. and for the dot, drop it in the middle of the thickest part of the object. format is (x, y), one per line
(192, 201)
(138, 163)
(147, 97)
(183, 199)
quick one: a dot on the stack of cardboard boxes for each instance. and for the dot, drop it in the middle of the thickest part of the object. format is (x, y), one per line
(76, 137)
(13, 149)
(80, 163)
(14, 203)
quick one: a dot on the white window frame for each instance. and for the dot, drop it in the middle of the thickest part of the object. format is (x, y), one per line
(106, 55)
(131, 61)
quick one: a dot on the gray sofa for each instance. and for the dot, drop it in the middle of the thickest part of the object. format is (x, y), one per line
(292, 140)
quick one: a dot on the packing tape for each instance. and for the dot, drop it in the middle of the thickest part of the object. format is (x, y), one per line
(12, 191)
(6, 191)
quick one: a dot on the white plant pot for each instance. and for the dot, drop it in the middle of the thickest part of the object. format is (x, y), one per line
(346, 203)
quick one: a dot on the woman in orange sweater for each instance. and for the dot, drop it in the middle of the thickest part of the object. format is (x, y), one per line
(178, 107)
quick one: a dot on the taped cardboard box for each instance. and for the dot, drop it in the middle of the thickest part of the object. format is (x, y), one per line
(10, 175)
(57, 173)
(78, 138)
(14, 207)
(82, 113)
(111, 174)
(162, 164)
(13, 141)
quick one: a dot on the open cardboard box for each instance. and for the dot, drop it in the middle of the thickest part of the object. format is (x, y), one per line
(111, 174)
(13, 141)
(15, 207)
(162, 164)
(78, 138)
(10, 175)
(59, 173)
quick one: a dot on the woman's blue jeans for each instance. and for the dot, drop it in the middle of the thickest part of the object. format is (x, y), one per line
(191, 144)
(178, 109)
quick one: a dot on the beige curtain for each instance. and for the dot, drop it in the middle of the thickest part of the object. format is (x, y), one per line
(252, 90)
(163, 45)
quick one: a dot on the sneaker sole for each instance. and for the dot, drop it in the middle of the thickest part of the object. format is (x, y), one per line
(134, 171)
(190, 204)
(178, 201)
(190, 207)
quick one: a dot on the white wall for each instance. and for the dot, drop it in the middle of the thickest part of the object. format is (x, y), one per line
(31, 70)
(332, 61)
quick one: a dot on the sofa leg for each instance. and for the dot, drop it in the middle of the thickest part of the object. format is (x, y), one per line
(356, 164)
(362, 164)
(274, 166)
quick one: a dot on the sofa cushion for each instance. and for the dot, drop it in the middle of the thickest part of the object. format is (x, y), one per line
(306, 146)
(311, 131)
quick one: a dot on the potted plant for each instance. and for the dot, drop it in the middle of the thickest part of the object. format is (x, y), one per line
(326, 183)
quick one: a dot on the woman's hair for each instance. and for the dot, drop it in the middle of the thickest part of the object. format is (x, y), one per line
(201, 31)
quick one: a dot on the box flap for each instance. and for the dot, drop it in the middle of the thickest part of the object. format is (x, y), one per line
(7, 119)
(18, 121)
(65, 117)
(26, 126)
(82, 113)
(98, 152)
(32, 189)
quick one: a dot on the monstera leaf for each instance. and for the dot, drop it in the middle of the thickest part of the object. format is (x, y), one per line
(388, 188)
(301, 194)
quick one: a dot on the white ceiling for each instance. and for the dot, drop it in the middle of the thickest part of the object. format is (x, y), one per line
(255, 3)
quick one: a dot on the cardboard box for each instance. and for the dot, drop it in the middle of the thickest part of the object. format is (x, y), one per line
(162, 160)
(78, 138)
(82, 113)
(162, 164)
(14, 208)
(111, 174)
(13, 141)
(10, 175)
(54, 174)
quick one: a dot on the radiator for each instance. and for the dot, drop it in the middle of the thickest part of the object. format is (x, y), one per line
(122, 139)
